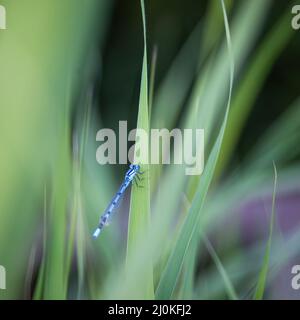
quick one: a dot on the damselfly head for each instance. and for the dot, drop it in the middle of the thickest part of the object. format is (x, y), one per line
(135, 167)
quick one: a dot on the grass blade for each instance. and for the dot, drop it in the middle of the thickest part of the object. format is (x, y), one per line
(253, 81)
(139, 216)
(260, 289)
(228, 284)
(152, 80)
(38, 291)
(171, 273)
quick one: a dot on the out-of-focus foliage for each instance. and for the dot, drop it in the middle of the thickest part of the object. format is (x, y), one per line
(71, 67)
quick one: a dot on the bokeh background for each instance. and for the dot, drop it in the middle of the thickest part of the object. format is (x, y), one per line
(71, 67)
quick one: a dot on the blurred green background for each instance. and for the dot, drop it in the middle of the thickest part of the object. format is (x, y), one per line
(71, 67)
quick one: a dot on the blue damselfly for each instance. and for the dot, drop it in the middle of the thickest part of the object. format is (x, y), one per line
(131, 175)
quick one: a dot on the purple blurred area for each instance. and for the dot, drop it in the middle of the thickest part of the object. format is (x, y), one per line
(255, 218)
